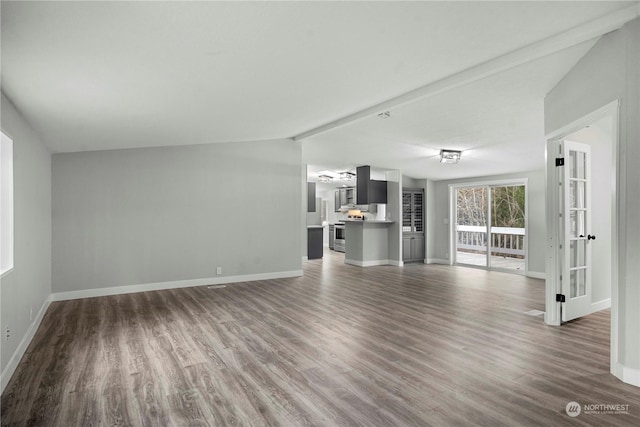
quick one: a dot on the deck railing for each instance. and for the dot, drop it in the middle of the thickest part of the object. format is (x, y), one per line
(506, 241)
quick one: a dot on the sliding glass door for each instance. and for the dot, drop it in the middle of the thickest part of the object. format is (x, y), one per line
(490, 229)
(471, 226)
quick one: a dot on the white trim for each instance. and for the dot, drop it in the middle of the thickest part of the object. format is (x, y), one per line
(129, 289)
(627, 375)
(368, 263)
(436, 261)
(581, 33)
(9, 370)
(305, 258)
(7, 202)
(536, 274)
(601, 305)
(552, 264)
(396, 263)
(6, 273)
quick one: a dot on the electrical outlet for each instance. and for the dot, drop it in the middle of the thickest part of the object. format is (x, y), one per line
(219, 270)
(7, 333)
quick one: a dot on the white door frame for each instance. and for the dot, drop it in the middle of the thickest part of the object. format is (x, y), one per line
(493, 183)
(552, 283)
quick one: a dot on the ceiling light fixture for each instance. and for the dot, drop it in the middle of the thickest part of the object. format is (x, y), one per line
(450, 156)
(384, 114)
(325, 178)
(347, 176)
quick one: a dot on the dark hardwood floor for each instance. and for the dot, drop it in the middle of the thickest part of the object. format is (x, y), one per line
(379, 346)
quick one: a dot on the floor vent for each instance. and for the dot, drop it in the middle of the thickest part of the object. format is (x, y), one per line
(216, 286)
(534, 312)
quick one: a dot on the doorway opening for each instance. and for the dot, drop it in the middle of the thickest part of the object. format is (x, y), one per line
(490, 226)
(581, 214)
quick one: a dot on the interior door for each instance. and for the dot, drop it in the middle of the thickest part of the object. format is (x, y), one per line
(575, 187)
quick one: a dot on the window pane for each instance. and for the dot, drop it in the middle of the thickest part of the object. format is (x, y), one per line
(577, 194)
(577, 223)
(471, 226)
(577, 164)
(578, 283)
(577, 253)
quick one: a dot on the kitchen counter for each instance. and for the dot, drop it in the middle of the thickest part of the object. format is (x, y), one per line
(373, 221)
(367, 242)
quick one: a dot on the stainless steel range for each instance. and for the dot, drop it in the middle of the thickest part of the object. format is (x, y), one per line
(339, 237)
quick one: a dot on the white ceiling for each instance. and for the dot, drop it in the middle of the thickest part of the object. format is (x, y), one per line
(105, 75)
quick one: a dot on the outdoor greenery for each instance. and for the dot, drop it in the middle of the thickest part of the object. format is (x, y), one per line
(507, 206)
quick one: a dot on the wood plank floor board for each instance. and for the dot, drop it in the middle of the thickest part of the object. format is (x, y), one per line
(421, 345)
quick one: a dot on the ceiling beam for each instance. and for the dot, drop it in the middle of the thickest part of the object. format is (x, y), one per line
(537, 50)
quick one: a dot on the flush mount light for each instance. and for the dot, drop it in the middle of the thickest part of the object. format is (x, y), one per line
(384, 114)
(325, 178)
(347, 176)
(450, 156)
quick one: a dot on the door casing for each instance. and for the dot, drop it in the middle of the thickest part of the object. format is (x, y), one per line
(552, 284)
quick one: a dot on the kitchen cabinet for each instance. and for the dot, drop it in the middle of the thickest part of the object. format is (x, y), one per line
(413, 225)
(345, 197)
(412, 247)
(314, 242)
(369, 190)
(311, 196)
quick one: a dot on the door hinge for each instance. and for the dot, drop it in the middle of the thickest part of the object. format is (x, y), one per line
(559, 161)
(560, 298)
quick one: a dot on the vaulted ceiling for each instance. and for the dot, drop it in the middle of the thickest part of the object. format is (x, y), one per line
(463, 75)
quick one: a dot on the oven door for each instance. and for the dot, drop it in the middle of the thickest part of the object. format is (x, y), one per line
(339, 240)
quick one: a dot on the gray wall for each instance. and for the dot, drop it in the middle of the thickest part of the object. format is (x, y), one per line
(127, 217)
(610, 71)
(28, 285)
(438, 211)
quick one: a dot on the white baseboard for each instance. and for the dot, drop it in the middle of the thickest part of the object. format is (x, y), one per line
(627, 375)
(396, 263)
(130, 289)
(24, 343)
(368, 263)
(536, 275)
(436, 261)
(601, 305)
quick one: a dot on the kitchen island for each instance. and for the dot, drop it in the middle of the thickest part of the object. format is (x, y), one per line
(367, 243)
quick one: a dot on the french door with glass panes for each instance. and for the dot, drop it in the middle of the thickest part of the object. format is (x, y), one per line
(575, 226)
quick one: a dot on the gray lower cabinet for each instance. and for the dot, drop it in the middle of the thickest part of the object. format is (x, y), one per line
(412, 247)
(314, 242)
